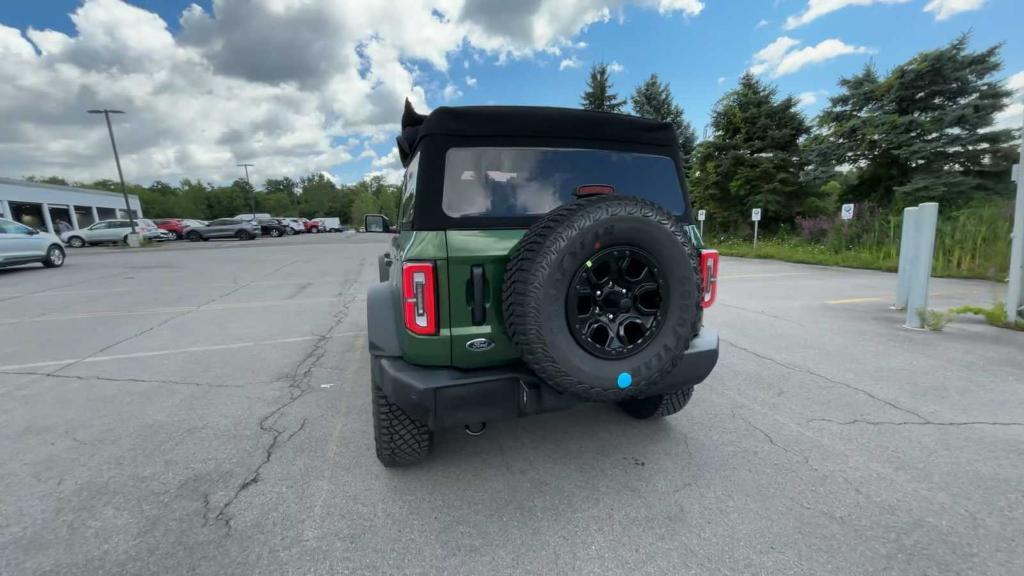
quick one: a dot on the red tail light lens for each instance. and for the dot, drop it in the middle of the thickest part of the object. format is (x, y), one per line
(709, 277)
(419, 297)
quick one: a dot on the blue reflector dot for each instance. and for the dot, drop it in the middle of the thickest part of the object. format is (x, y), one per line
(625, 380)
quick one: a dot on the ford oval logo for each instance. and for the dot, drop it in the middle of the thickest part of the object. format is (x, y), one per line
(479, 345)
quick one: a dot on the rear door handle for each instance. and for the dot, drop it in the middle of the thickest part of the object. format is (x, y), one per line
(479, 311)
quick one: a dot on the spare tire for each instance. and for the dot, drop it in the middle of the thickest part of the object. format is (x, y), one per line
(600, 297)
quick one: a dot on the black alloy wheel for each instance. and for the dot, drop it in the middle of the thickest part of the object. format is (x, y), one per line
(615, 301)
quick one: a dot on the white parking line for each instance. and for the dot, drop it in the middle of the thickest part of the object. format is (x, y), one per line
(157, 288)
(170, 310)
(234, 346)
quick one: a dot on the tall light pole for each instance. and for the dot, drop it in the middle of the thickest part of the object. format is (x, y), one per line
(252, 191)
(117, 160)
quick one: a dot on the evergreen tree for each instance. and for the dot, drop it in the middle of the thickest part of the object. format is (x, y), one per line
(924, 132)
(753, 159)
(598, 95)
(653, 99)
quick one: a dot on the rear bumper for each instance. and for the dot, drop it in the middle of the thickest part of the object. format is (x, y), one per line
(448, 397)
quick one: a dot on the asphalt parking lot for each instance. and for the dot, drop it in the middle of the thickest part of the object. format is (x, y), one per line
(204, 409)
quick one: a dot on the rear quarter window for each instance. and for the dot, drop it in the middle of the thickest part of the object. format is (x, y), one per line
(515, 182)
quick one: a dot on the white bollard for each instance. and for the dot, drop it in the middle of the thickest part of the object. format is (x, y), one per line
(921, 266)
(906, 257)
(1015, 288)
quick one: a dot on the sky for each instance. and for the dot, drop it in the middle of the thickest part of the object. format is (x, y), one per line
(302, 86)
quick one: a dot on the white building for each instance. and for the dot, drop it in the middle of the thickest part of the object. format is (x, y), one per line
(48, 207)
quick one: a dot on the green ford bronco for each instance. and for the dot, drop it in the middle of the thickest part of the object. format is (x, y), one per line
(542, 257)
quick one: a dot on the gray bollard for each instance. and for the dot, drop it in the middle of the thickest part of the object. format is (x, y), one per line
(921, 264)
(906, 257)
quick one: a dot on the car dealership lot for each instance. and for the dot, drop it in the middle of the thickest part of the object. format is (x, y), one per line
(204, 408)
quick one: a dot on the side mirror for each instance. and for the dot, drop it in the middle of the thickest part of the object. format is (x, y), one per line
(376, 223)
(32, 231)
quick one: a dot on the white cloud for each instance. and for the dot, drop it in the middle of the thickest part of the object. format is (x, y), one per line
(810, 98)
(760, 24)
(721, 80)
(615, 67)
(451, 92)
(470, 81)
(818, 8)
(238, 83)
(781, 56)
(944, 9)
(570, 62)
(388, 166)
(1013, 115)
(687, 7)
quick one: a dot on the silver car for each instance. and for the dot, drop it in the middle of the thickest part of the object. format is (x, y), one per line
(109, 231)
(20, 244)
(223, 228)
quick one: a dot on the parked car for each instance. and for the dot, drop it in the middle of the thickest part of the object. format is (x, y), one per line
(580, 280)
(109, 232)
(20, 244)
(296, 225)
(312, 226)
(176, 226)
(223, 228)
(192, 223)
(150, 230)
(272, 227)
(248, 217)
(329, 224)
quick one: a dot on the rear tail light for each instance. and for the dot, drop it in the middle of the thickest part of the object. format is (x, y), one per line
(709, 277)
(419, 297)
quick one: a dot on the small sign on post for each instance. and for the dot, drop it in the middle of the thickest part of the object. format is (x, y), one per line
(755, 215)
(700, 218)
(847, 212)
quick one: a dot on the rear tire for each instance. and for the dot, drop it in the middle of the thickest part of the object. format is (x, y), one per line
(400, 439)
(194, 236)
(54, 257)
(659, 405)
(76, 242)
(275, 233)
(243, 235)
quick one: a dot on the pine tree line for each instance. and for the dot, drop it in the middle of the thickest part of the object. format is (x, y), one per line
(924, 131)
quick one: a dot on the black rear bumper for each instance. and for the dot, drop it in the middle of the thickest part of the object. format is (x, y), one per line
(449, 397)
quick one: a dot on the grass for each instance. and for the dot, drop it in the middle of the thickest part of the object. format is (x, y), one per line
(796, 250)
(996, 315)
(935, 320)
(973, 242)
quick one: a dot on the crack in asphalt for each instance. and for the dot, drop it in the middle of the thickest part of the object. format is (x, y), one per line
(828, 379)
(925, 423)
(128, 380)
(298, 387)
(760, 313)
(167, 320)
(769, 438)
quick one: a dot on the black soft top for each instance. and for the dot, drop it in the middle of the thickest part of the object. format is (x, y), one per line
(539, 122)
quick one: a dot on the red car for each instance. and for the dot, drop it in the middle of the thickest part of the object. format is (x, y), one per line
(173, 225)
(311, 226)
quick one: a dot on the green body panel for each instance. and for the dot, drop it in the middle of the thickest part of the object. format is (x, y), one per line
(490, 249)
(425, 245)
(454, 253)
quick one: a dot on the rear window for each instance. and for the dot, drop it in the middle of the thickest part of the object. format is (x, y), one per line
(510, 182)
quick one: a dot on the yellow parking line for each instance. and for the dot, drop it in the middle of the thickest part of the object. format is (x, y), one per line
(770, 275)
(856, 300)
